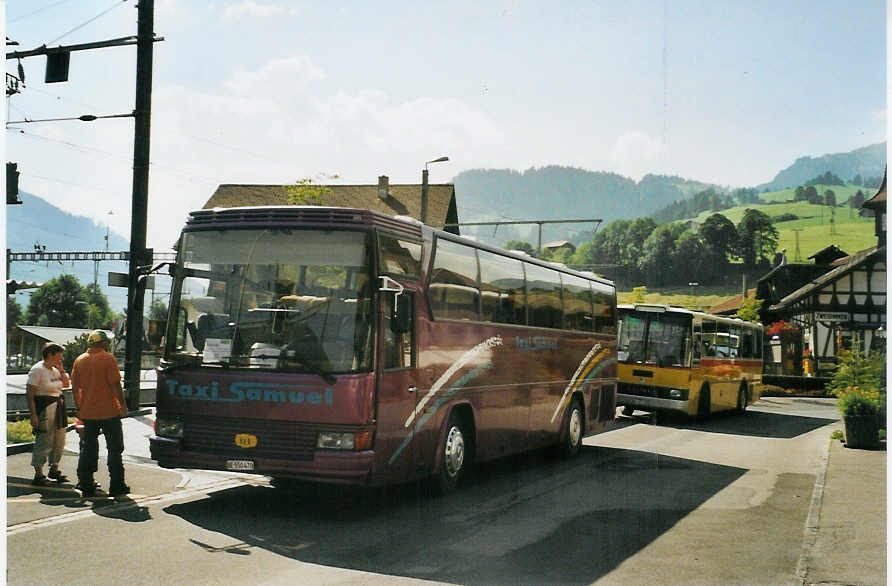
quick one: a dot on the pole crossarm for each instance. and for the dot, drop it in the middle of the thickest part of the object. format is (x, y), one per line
(44, 50)
(507, 222)
(92, 255)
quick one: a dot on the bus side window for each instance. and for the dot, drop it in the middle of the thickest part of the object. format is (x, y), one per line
(722, 340)
(708, 350)
(697, 342)
(397, 347)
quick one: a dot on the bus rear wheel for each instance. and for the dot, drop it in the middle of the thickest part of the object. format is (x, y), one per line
(571, 438)
(453, 456)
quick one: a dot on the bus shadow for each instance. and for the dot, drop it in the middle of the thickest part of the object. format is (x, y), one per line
(522, 520)
(751, 423)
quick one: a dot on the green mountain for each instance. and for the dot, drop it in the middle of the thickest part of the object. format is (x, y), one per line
(869, 161)
(555, 193)
(38, 223)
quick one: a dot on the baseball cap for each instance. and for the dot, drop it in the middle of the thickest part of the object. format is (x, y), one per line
(97, 336)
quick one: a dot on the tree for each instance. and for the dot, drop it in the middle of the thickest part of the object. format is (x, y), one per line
(800, 193)
(158, 311)
(72, 350)
(756, 238)
(520, 245)
(658, 251)
(830, 198)
(858, 180)
(305, 192)
(13, 312)
(749, 309)
(691, 257)
(99, 314)
(857, 200)
(719, 236)
(60, 302)
(811, 194)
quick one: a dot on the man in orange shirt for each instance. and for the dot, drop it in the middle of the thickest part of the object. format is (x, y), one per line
(96, 385)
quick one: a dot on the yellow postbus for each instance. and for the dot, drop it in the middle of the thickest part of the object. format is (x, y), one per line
(675, 359)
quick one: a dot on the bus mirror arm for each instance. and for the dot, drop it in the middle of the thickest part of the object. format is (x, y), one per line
(391, 286)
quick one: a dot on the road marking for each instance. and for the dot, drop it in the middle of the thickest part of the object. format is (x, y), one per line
(130, 504)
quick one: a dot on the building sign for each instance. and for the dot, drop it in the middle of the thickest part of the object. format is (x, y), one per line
(831, 316)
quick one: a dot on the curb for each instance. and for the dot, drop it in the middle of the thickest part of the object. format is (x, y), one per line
(810, 534)
(12, 449)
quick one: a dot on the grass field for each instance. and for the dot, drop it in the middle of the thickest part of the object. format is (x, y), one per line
(850, 231)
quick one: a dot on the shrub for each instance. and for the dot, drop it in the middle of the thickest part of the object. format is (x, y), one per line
(18, 432)
(788, 217)
(72, 350)
(859, 383)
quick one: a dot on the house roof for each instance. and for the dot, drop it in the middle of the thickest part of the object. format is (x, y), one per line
(60, 336)
(828, 254)
(558, 244)
(849, 264)
(402, 200)
(879, 199)
(13, 285)
(732, 305)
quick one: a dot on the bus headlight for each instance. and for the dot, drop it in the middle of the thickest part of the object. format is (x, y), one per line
(675, 394)
(169, 428)
(334, 441)
(330, 440)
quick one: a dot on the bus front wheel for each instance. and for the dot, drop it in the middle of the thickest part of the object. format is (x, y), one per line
(704, 405)
(453, 456)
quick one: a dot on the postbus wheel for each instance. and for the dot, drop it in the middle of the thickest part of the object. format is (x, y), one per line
(703, 404)
(741, 399)
(573, 428)
(453, 456)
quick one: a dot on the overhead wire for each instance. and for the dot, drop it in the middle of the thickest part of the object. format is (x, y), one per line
(38, 11)
(82, 25)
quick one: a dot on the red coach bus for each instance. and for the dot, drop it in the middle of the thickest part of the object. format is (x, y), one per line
(348, 346)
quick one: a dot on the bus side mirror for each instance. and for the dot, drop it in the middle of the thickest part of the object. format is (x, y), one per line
(401, 316)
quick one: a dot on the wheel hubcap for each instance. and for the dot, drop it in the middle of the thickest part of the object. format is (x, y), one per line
(575, 427)
(454, 454)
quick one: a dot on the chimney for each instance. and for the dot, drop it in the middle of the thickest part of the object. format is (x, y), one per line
(383, 187)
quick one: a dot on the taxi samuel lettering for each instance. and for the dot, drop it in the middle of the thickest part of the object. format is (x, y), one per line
(250, 391)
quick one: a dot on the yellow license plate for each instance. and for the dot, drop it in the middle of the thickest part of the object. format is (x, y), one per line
(246, 440)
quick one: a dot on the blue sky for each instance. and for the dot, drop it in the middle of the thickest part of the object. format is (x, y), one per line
(271, 91)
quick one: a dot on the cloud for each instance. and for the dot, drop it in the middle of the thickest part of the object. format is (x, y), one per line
(251, 9)
(277, 124)
(636, 153)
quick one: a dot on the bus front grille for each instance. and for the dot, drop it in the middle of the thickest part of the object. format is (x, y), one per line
(277, 440)
(651, 391)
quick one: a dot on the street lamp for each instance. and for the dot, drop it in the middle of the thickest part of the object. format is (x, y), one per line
(424, 188)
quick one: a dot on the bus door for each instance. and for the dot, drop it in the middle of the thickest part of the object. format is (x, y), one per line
(397, 386)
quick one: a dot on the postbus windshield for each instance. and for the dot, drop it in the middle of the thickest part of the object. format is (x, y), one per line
(661, 338)
(282, 299)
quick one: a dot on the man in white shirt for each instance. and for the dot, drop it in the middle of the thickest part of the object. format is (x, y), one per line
(49, 418)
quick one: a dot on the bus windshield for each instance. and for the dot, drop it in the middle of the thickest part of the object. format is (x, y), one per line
(663, 339)
(291, 300)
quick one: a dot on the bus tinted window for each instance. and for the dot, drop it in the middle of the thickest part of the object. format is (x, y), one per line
(502, 289)
(453, 286)
(708, 339)
(747, 345)
(604, 298)
(630, 346)
(577, 303)
(734, 341)
(543, 297)
(668, 338)
(398, 257)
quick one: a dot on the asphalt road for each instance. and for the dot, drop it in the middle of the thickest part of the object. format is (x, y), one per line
(715, 503)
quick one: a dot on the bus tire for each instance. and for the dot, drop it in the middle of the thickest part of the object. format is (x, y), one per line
(741, 399)
(454, 458)
(572, 430)
(704, 406)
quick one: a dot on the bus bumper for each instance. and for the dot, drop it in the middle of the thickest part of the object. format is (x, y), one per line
(325, 467)
(652, 403)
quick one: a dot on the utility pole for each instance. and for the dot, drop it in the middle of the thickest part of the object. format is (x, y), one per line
(798, 256)
(139, 256)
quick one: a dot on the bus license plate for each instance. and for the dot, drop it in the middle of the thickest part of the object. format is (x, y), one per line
(240, 465)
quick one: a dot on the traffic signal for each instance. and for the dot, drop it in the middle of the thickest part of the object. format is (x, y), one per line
(12, 184)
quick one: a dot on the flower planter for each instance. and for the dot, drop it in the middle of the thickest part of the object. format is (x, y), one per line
(862, 431)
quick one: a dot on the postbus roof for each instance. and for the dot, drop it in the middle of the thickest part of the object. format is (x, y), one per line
(664, 308)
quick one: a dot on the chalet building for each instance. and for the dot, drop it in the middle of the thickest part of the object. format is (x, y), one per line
(842, 307)
(560, 245)
(439, 211)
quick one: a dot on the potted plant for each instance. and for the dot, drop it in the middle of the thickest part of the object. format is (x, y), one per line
(860, 388)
